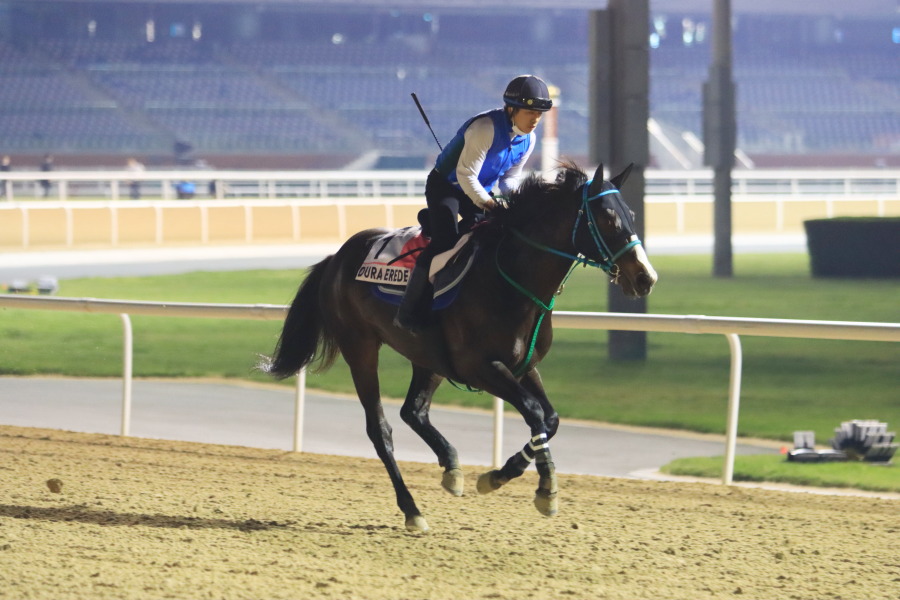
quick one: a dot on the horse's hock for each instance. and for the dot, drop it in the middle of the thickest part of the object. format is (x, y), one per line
(854, 247)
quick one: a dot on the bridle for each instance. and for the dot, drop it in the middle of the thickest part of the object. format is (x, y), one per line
(608, 258)
(607, 261)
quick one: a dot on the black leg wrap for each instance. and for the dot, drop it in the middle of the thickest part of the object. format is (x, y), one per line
(514, 467)
(544, 463)
(545, 495)
(450, 462)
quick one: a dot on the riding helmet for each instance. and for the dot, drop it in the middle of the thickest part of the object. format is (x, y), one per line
(528, 91)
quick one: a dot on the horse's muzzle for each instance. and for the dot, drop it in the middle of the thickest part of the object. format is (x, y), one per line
(644, 283)
(637, 276)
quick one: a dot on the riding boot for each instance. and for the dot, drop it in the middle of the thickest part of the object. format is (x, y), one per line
(415, 308)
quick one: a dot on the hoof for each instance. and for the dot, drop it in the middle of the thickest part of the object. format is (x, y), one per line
(545, 496)
(489, 482)
(452, 481)
(546, 502)
(416, 524)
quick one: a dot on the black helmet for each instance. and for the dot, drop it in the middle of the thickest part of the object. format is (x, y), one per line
(528, 91)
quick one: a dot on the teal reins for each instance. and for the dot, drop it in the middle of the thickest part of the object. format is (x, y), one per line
(545, 308)
(607, 262)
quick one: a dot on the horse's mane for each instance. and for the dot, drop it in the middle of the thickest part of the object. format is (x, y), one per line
(533, 199)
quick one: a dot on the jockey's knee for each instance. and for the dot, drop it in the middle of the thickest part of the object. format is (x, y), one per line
(424, 222)
(443, 227)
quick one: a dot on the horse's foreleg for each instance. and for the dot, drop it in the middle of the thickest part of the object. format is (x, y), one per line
(545, 497)
(363, 368)
(415, 413)
(532, 382)
(529, 399)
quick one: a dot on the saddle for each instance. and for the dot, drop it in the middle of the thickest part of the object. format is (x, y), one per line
(392, 257)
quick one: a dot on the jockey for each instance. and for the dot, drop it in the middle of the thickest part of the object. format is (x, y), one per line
(489, 150)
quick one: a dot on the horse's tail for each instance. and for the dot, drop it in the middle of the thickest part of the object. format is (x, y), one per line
(304, 337)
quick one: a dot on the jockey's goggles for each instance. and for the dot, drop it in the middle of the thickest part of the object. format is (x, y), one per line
(539, 104)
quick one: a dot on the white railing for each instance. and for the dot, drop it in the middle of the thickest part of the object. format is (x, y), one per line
(730, 327)
(228, 184)
(91, 207)
(747, 183)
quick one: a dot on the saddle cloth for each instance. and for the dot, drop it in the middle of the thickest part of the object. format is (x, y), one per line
(392, 257)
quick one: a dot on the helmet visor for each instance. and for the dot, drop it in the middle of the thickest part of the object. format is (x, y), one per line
(540, 104)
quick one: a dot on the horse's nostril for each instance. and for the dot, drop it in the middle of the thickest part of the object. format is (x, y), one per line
(645, 282)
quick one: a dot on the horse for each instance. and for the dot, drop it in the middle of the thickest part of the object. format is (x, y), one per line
(490, 338)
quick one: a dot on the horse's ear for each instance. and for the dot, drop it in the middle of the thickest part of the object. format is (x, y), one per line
(619, 179)
(597, 181)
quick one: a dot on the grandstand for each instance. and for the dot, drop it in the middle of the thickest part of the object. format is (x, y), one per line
(311, 86)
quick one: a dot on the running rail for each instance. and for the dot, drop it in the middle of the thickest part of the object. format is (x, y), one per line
(730, 327)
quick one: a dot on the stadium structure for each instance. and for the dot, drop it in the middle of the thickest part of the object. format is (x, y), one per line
(295, 84)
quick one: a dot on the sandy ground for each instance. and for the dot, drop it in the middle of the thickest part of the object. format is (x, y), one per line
(139, 518)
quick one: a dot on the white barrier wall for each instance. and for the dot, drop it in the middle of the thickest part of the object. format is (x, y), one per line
(328, 206)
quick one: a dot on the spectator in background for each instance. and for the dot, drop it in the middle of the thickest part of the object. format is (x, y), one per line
(185, 190)
(5, 166)
(46, 165)
(134, 186)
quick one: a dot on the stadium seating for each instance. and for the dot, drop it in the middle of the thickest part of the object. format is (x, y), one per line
(101, 96)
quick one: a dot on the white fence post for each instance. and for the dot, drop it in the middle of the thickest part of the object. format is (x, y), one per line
(498, 433)
(127, 372)
(734, 405)
(299, 410)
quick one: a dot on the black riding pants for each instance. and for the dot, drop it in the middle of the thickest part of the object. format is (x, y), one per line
(446, 204)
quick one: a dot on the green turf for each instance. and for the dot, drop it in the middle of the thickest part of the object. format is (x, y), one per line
(788, 384)
(877, 477)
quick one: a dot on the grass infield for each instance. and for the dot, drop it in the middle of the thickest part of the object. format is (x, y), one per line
(788, 384)
(876, 477)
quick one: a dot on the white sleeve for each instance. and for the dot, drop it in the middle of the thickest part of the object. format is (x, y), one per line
(478, 138)
(511, 179)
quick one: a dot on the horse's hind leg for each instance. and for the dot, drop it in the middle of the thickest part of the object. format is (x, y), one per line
(415, 414)
(362, 358)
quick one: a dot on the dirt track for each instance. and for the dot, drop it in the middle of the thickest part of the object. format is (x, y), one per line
(146, 519)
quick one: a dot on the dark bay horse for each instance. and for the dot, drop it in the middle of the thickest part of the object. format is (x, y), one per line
(490, 338)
